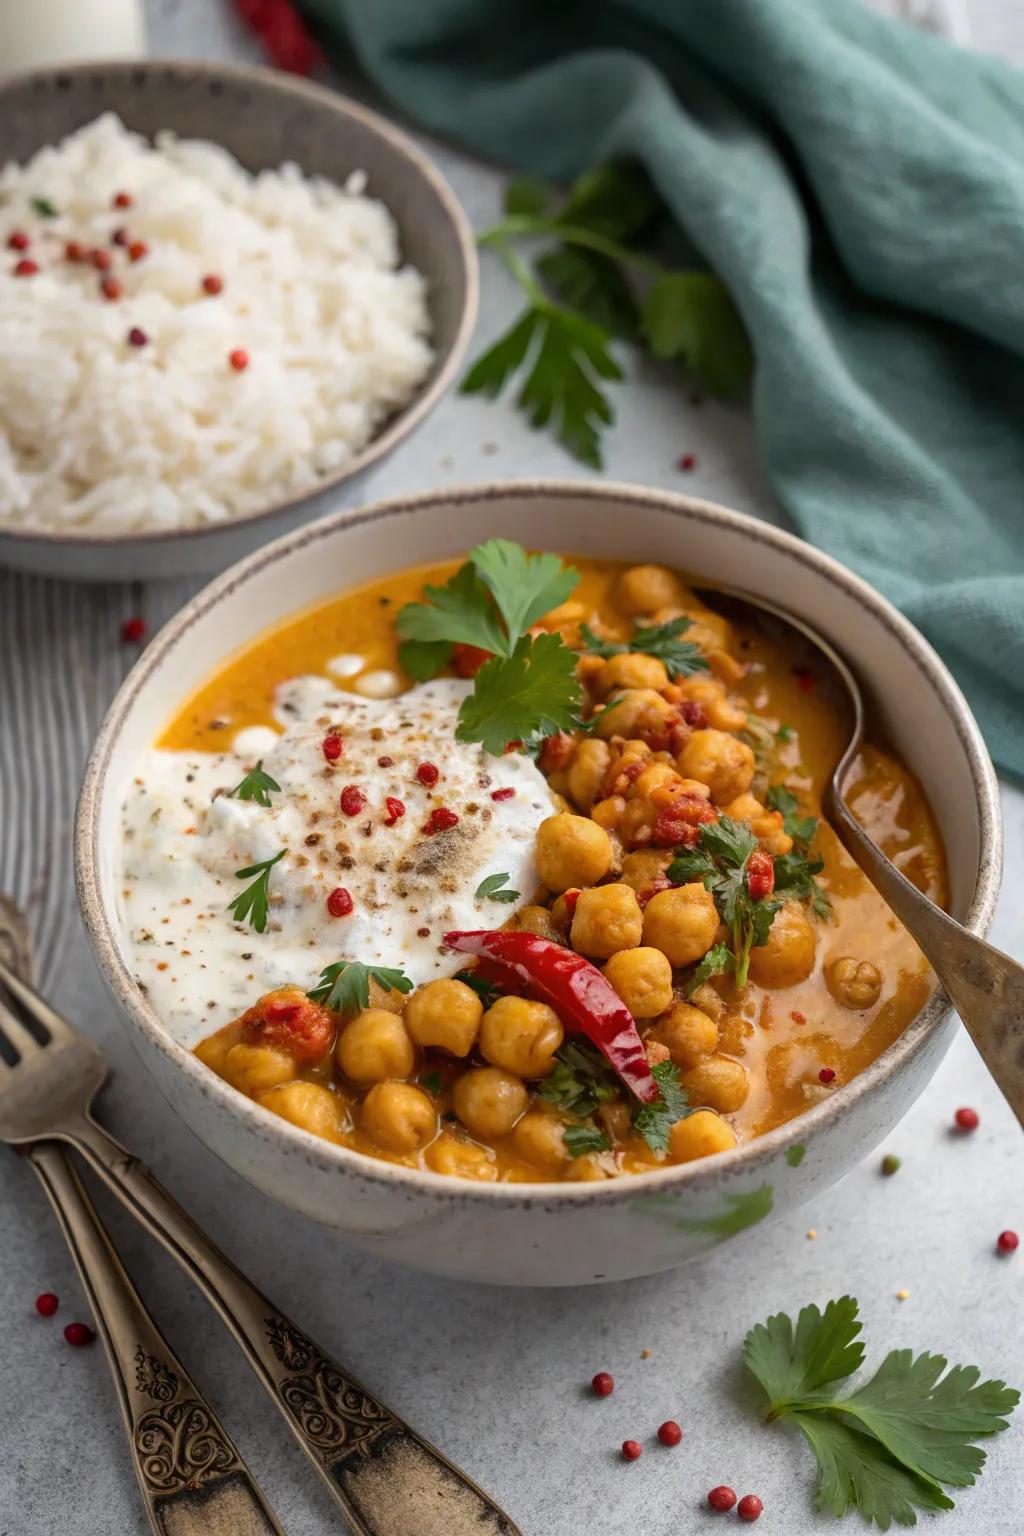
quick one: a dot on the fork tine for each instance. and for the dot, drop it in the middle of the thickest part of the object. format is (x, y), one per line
(15, 1033)
(33, 1004)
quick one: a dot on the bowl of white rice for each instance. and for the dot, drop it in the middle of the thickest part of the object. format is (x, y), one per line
(225, 295)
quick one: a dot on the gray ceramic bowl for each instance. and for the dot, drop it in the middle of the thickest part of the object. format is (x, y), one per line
(263, 118)
(549, 1234)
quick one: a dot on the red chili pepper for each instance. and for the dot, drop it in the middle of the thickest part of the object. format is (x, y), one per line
(576, 990)
(760, 874)
(468, 659)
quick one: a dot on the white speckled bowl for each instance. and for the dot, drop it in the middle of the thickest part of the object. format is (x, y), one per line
(263, 117)
(550, 1234)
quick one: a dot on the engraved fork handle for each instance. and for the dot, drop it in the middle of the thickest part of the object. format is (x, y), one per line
(387, 1479)
(193, 1481)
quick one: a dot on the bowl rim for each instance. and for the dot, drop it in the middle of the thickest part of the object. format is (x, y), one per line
(101, 926)
(398, 426)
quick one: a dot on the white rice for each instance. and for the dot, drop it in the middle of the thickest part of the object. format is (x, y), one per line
(96, 434)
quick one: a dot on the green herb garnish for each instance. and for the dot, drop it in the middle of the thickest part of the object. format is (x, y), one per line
(580, 298)
(580, 1080)
(654, 1121)
(800, 828)
(44, 208)
(493, 888)
(486, 991)
(252, 903)
(887, 1447)
(528, 689)
(432, 1083)
(345, 985)
(785, 733)
(681, 657)
(795, 879)
(257, 786)
(717, 962)
(720, 861)
(584, 1138)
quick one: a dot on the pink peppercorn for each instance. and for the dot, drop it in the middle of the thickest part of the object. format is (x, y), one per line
(827, 1075)
(722, 1498)
(428, 774)
(395, 808)
(17, 240)
(1007, 1242)
(440, 820)
(502, 794)
(632, 1450)
(132, 630)
(26, 267)
(603, 1384)
(670, 1433)
(339, 902)
(47, 1304)
(212, 284)
(111, 288)
(688, 461)
(332, 747)
(352, 800)
(137, 250)
(78, 1334)
(967, 1119)
(137, 337)
(122, 200)
(749, 1507)
(239, 359)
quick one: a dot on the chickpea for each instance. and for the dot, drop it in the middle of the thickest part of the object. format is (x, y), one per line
(615, 1120)
(590, 1168)
(310, 1106)
(682, 923)
(521, 1036)
(489, 1101)
(708, 1001)
(854, 983)
(766, 825)
(563, 907)
(255, 1068)
(564, 616)
(538, 1139)
(643, 979)
(657, 776)
(636, 824)
(723, 713)
(587, 771)
(446, 1013)
(719, 1082)
(608, 813)
(701, 1134)
(721, 761)
(688, 1033)
(538, 920)
(607, 919)
(655, 1052)
(399, 1117)
(637, 712)
(572, 850)
(642, 868)
(645, 588)
(788, 956)
(630, 669)
(374, 1047)
(708, 630)
(460, 1159)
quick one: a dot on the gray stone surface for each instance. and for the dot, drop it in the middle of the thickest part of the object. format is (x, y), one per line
(497, 1376)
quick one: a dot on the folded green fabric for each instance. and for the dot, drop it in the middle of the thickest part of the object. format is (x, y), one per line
(859, 186)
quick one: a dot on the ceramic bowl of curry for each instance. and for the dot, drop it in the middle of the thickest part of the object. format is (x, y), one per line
(480, 906)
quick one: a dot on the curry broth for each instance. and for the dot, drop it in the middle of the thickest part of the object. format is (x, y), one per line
(779, 1035)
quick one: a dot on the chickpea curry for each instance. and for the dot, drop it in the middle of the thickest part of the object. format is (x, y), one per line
(670, 952)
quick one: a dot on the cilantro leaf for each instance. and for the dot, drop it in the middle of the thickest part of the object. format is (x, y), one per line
(681, 657)
(887, 1447)
(785, 732)
(580, 1080)
(485, 990)
(532, 693)
(460, 613)
(527, 195)
(254, 902)
(654, 1121)
(617, 200)
(594, 286)
(795, 879)
(584, 1138)
(720, 861)
(800, 828)
(689, 316)
(423, 659)
(717, 962)
(257, 786)
(493, 888)
(524, 586)
(345, 985)
(728, 839)
(44, 208)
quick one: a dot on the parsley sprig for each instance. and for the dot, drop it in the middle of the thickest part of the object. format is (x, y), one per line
(654, 1121)
(800, 828)
(720, 861)
(494, 888)
(254, 902)
(887, 1448)
(345, 985)
(583, 1138)
(257, 786)
(581, 1081)
(580, 297)
(681, 657)
(528, 689)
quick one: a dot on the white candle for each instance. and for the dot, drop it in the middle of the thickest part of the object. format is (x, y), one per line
(40, 32)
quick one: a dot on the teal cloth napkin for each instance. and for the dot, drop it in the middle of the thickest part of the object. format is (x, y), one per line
(859, 186)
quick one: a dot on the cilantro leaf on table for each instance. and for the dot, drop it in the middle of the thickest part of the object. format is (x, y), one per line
(257, 786)
(800, 828)
(345, 985)
(654, 1121)
(617, 200)
(720, 860)
(527, 195)
(689, 317)
(681, 657)
(253, 904)
(584, 1138)
(580, 1080)
(594, 286)
(532, 693)
(887, 1447)
(524, 587)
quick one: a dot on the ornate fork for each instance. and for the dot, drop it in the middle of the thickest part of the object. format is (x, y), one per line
(386, 1479)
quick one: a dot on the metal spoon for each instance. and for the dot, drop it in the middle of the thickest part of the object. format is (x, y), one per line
(985, 986)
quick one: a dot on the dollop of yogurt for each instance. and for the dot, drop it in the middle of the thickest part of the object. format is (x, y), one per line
(185, 834)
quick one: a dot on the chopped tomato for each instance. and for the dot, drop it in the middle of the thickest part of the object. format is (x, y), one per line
(760, 874)
(292, 1022)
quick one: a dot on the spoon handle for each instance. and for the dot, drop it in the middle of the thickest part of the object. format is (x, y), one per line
(985, 986)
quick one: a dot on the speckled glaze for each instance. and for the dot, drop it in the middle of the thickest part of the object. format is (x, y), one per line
(551, 1234)
(263, 117)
